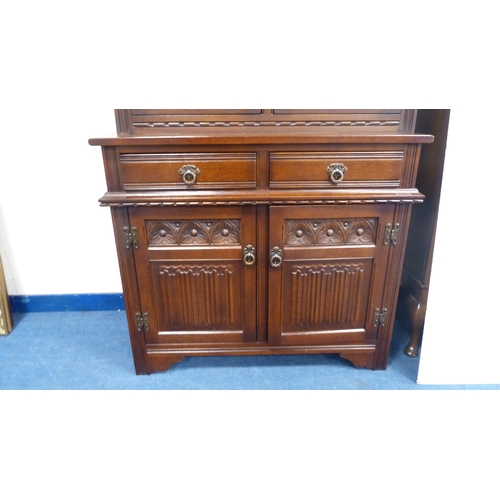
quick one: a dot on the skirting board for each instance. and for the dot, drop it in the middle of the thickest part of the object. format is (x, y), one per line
(77, 302)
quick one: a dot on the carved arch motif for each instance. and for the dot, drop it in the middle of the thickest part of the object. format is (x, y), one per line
(330, 232)
(193, 232)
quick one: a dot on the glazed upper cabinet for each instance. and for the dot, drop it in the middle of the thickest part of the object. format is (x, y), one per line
(261, 231)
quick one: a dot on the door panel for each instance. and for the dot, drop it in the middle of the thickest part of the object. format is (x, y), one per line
(192, 276)
(332, 273)
(326, 293)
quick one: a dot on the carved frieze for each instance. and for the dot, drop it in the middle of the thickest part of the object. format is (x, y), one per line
(330, 232)
(193, 232)
(261, 123)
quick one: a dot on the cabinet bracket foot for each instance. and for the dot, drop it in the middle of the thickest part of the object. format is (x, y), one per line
(161, 363)
(360, 359)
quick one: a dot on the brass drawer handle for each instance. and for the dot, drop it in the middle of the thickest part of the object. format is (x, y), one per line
(189, 174)
(276, 257)
(336, 172)
(249, 255)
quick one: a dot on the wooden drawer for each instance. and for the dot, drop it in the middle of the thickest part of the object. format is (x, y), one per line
(159, 171)
(363, 168)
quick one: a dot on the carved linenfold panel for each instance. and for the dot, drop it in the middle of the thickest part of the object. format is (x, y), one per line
(197, 296)
(326, 295)
(330, 232)
(193, 232)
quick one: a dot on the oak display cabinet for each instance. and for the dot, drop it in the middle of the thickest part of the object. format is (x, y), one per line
(248, 232)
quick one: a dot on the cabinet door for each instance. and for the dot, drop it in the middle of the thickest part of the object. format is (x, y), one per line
(196, 279)
(330, 271)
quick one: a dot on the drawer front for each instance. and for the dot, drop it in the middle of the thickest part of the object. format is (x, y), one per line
(159, 171)
(371, 169)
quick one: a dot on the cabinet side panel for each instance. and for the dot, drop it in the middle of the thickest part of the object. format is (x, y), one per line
(130, 290)
(110, 160)
(393, 280)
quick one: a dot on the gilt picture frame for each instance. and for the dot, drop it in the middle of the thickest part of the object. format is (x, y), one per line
(5, 313)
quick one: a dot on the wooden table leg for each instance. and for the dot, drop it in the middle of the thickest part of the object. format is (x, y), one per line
(416, 309)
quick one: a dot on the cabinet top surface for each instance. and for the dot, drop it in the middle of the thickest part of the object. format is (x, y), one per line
(261, 137)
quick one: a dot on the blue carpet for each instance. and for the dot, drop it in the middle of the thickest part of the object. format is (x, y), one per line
(91, 350)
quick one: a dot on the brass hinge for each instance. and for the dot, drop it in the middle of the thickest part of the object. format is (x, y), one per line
(379, 317)
(391, 234)
(142, 322)
(131, 237)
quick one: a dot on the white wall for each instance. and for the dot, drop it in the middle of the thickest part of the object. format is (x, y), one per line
(461, 338)
(54, 237)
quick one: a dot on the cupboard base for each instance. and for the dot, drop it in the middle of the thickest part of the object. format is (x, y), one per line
(261, 232)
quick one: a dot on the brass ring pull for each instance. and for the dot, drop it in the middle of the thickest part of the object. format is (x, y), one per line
(336, 172)
(276, 257)
(189, 174)
(249, 255)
